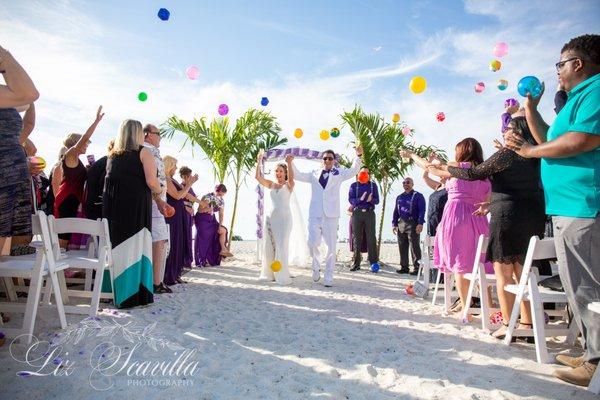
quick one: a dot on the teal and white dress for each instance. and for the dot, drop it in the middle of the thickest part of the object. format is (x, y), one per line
(127, 204)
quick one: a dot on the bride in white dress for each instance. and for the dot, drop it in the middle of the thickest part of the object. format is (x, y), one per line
(278, 223)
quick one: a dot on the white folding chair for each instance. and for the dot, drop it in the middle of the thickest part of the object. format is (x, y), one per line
(594, 386)
(34, 267)
(528, 290)
(98, 230)
(485, 281)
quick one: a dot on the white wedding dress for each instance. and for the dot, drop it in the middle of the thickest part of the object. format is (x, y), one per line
(276, 241)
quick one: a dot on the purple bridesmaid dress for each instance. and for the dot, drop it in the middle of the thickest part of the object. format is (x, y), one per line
(188, 223)
(176, 258)
(207, 248)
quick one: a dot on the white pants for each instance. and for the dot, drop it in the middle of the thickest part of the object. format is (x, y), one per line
(325, 228)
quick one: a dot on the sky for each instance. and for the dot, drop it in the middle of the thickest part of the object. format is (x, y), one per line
(312, 59)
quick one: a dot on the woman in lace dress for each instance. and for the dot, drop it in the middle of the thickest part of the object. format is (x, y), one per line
(517, 213)
(278, 222)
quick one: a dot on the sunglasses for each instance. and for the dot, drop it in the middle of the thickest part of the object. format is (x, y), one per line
(327, 158)
(406, 182)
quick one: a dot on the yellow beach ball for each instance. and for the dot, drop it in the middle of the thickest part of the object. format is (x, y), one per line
(324, 135)
(395, 118)
(276, 266)
(417, 84)
(298, 133)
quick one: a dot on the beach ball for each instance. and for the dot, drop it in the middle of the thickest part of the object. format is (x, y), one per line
(39, 161)
(406, 131)
(223, 109)
(276, 266)
(502, 84)
(500, 49)
(298, 133)
(375, 268)
(169, 211)
(417, 85)
(192, 72)
(164, 14)
(529, 84)
(496, 318)
(324, 135)
(479, 87)
(495, 65)
(264, 101)
(511, 102)
(395, 118)
(440, 116)
(142, 96)
(335, 132)
(363, 177)
(409, 290)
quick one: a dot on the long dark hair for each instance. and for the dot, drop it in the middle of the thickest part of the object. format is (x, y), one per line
(469, 150)
(519, 126)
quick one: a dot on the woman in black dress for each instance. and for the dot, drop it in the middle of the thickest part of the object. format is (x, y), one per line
(517, 213)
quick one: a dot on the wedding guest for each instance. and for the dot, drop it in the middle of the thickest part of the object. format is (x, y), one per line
(570, 167)
(94, 186)
(517, 214)
(176, 194)
(15, 189)
(462, 221)
(407, 223)
(69, 195)
(186, 174)
(160, 231)
(127, 205)
(210, 243)
(363, 198)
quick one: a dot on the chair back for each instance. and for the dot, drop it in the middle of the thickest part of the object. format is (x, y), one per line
(97, 229)
(482, 244)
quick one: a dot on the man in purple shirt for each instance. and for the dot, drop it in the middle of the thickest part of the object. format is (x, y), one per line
(363, 197)
(408, 220)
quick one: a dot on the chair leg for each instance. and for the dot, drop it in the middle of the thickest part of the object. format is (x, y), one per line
(47, 292)
(437, 286)
(594, 386)
(573, 333)
(483, 300)
(539, 331)
(513, 317)
(31, 307)
(88, 280)
(97, 291)
(58, 299)
(63, 287)
(465, 311)
(10, 289)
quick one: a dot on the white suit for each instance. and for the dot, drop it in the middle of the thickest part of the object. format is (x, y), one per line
(324, 212)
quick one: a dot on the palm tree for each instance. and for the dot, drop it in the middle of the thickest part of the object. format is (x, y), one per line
(230, 151)
(381, 141)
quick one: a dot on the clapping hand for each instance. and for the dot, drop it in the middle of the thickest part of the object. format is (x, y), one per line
(99, 114)
(405, 153)
(260, 155)
(519, 146)
(482, 210)
(359, 151)
(497, 144)
(370, 198)
(289, 158)
(193, 179)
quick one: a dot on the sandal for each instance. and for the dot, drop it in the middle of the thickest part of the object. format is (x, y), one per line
(22, 250)
(168, 289)
(159, 289)
(179, 280)
(528, 339)
(500, 333)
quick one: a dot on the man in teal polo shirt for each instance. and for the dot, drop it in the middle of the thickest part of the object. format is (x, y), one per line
(570, 153)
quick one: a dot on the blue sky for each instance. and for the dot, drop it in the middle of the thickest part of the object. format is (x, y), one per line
(313, 59)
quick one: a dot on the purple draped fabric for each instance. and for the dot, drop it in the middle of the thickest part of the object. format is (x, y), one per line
(188, 224)
(176, 258)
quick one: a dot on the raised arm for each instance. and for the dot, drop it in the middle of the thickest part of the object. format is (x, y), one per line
(258, 175)
(180, 194)
(498, 162)
(72, 154)
(28, 124)
(290, 171)
(433, 184)
(347, 173)
(300, 176)
(19, 89)
(537, 125)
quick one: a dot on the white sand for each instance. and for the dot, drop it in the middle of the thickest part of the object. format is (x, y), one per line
(362, 339)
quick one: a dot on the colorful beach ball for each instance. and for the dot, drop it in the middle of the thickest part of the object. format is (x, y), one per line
(479, 87)
(529, 84)
(417, 85)
(264, 101)
(223, 109)
(298, 133)
(375, 268)
(335, 132)
(38, 161)
(502, 84)
(406, 131)
(164, 14)
(192, 72)
(395, 117)
(500, 49)
(495, 65)
(169, 211)
(363, 177)
(440, 116)
(142, 96)
(276, 266)
(324, 135)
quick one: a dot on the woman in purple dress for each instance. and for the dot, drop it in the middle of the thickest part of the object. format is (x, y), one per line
(210, 244)
(176, 195)
(186, 174)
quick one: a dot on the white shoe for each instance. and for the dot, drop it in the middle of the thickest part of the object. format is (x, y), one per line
(316, 275)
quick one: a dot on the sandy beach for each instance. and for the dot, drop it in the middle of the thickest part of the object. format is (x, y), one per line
(238, 338)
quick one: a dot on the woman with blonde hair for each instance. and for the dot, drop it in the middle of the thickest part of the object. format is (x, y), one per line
(69, 194)
(176, 196)
(127, 205)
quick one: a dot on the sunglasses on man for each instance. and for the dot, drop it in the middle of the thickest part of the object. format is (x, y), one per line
(327, 158)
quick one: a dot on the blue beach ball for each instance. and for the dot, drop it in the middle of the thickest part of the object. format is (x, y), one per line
(375, 267)
(529, 84)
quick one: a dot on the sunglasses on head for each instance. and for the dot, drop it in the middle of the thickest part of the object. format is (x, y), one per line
(327, 158)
